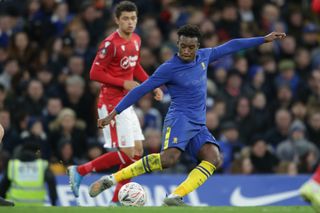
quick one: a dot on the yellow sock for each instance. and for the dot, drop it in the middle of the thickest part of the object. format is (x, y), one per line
(147, 164)
(196, 178)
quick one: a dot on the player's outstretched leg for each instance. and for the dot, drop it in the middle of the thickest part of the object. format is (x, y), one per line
(195, 179)
(4, 202)
(102, 184)
(210, 156)
(106, 161)
(74, 179)
(146, 164)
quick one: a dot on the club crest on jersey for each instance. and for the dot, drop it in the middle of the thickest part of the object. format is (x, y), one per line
(123, 47)
(136, 45)
(175, 140)
(203, 65)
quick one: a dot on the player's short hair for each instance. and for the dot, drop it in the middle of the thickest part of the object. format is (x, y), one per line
(189, 31)
(125, 6)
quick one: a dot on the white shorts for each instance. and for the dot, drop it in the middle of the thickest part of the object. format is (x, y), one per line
(124, 132)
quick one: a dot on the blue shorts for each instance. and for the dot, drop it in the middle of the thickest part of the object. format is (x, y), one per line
(179, 132)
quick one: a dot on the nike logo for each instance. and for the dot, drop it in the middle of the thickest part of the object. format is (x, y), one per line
(237, 199)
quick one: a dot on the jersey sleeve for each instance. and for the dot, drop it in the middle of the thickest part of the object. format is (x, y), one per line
(98, 70)
(233, 46)
(161, 76)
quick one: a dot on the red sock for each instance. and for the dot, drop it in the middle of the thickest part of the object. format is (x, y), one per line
(104, 162)
(316, 175)
(120, 184)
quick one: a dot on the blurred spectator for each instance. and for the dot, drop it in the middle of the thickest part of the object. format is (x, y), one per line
(260, 113)
(60, 18)
(229, 144)
(95, 150)
(229, 26)
(296, 145)
(66, 129)
(262, 158)
(36, 136)
(244, 120)
(152, 116)
(299, 111)
(242, 164)
(231, 92)
(303, 63)
(313, 101)
(10, 69)
(280, 131)
(314, 128)
(33, 101)
(82, 48)
(152, 143)
(52, 110)
(78, 99)
(213, 123)
(288, 76)
(6, 29)
(310, 35)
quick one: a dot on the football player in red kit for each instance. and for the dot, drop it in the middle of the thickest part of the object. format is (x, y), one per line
(115, 66)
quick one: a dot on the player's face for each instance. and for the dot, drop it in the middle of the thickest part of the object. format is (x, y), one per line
(188, 47)
(127, 22)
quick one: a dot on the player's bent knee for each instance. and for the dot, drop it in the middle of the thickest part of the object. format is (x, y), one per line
(169, 157)
(210, 152)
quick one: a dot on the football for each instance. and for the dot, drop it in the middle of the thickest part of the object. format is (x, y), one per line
(132, 194)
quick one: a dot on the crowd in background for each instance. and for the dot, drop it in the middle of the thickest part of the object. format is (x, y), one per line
(263, 104)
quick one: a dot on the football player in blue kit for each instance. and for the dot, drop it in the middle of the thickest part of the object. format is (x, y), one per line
(185, 76)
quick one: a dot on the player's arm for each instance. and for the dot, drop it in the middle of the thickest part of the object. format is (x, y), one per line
(236, 45)
(161, 76)
(98, 70)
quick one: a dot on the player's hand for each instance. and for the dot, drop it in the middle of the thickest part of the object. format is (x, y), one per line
(158, 94)
(107, 120)
(274, 36)
(129, 85)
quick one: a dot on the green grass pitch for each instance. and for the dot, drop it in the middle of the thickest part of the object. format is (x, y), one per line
(264, 209)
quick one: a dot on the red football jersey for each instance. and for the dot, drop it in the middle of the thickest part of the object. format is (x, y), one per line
(117, 60)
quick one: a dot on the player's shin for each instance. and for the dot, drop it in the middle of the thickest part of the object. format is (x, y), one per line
(196, 178)
(146, 164)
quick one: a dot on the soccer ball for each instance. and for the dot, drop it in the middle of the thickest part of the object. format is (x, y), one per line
(132, 194)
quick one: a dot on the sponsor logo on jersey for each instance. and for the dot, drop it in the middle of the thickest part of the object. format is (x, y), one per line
(130, 61)
(123, 48)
